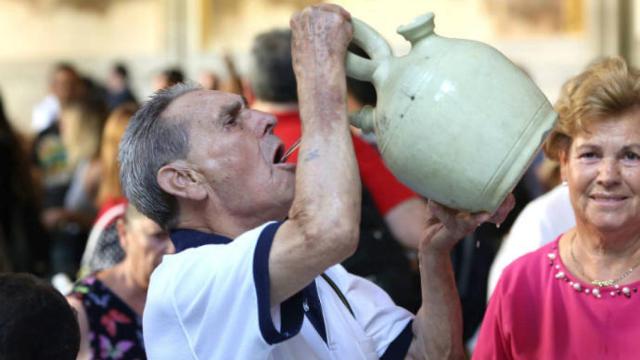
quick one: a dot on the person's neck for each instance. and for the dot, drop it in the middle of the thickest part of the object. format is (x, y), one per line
(616, 243)
(602, 255)
(121, 281)
(274, 108)
(222, 224)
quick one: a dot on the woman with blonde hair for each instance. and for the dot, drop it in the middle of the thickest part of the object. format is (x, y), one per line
(80, 130)
(103, 249)
(109, 190)
(69, 223)
(576, 297)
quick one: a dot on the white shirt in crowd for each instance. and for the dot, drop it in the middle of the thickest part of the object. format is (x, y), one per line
(539, 223)
(45, 113)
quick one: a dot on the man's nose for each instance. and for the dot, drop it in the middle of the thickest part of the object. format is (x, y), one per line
(264, 123)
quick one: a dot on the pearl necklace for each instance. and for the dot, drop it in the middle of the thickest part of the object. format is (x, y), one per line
(597, 291)
(598, 283)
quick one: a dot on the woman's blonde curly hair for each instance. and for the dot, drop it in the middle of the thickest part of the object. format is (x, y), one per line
(607, 87)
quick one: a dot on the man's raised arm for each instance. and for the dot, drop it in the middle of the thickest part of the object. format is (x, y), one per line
(437, 328)
(322, 229)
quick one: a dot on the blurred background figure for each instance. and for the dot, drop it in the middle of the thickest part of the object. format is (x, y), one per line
(539, 223)
(48, 154)
(118, 88)
(233, 82)
(110, 303)
(64, 85)
(23, 242)
(103, 248)
(36, 321)
(392, 214)
(167, 78)
(209, 80)
(70, 218)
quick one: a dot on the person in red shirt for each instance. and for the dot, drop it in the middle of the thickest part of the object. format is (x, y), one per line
(392, 214)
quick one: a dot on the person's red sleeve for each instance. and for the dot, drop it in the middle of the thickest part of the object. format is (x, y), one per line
(289, 131)
(386, 190)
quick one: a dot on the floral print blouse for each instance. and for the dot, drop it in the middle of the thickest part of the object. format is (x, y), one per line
(115, 330)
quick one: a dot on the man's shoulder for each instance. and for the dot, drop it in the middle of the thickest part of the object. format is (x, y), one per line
(194, 265)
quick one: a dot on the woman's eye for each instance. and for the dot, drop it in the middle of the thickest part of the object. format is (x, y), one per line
(630, 155)
(587, 155)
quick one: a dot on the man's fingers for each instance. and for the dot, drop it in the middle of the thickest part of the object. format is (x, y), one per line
(445, 215)
(504, 210)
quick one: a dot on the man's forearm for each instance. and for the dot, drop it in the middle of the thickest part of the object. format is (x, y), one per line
(327, 198)
(438, 323)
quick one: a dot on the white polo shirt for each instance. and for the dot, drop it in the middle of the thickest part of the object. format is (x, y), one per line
(210, 300)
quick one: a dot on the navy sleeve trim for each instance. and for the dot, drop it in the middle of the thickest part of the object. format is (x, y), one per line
(400, 346)
(291, 311)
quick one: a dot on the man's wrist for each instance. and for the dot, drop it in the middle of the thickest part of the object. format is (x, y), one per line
(433, 256)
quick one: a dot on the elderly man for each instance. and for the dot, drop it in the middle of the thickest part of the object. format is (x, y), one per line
(245, 283)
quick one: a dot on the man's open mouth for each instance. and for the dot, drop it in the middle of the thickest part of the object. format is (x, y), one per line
(277, 156)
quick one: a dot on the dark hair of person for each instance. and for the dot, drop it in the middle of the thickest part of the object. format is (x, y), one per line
(120, 69)
(272, 78)
(65, 66)
(36, 321)
(173, 76)
(21, 234)
(362, 91)
(16, 179)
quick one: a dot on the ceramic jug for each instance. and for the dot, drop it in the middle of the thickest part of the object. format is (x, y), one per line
(455, 120)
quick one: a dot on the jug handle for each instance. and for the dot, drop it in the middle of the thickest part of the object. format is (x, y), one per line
(363, 119)
(373, 44)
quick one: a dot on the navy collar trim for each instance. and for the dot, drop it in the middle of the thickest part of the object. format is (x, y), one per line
(187, 238)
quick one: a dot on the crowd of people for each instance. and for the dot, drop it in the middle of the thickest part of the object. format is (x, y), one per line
(174, 228)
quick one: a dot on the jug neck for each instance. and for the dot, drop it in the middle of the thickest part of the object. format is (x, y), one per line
(420, 28)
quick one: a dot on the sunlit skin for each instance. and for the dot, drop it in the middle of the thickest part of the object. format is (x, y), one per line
(602, 168)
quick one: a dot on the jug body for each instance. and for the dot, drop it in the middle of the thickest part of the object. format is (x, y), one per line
(456, 121)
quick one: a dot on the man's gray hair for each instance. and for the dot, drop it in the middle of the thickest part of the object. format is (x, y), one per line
(149, 143)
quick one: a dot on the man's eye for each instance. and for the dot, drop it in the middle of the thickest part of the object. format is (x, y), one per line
(230, 121)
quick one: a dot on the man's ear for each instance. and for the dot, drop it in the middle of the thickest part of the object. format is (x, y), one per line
(180, 180)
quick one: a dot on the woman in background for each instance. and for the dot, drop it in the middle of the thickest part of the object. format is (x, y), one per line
(103, 249)
(81, 126)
